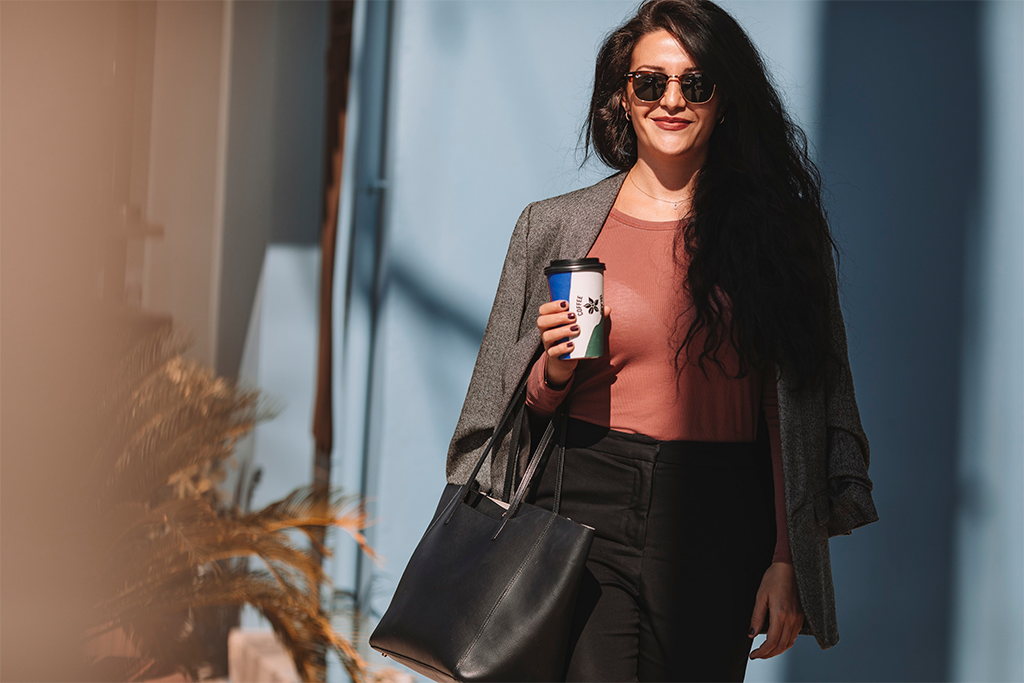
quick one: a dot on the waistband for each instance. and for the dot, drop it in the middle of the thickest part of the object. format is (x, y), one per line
(582, 434)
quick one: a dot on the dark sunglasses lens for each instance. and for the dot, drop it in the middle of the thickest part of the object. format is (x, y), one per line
(649, 87)
(698, 89)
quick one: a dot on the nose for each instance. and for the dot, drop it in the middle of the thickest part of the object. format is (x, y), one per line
(673, 96)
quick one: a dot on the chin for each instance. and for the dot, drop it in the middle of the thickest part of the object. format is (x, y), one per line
(671, 152)
(671, 148)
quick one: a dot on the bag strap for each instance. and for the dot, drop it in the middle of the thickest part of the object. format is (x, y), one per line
(560, 416)
(512, 464)
(561, 456)
(464, 489)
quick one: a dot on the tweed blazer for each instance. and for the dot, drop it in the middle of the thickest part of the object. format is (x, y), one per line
(825, 453)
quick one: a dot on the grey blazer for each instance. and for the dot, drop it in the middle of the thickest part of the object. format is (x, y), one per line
(824, 449)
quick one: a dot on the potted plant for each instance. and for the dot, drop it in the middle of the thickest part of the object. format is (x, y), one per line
(172, 545)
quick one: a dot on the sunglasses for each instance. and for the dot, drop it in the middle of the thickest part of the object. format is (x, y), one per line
(649, 86)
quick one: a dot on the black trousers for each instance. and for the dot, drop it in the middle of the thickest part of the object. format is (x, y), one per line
(684, 533)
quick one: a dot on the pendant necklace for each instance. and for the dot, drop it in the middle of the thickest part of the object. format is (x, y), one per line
(675, 204)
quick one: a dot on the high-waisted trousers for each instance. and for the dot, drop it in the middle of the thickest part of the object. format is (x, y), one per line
(684, 531)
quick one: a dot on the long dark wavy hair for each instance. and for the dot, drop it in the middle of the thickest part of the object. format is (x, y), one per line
(756, 230)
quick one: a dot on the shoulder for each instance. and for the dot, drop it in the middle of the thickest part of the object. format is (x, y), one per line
(557, 208)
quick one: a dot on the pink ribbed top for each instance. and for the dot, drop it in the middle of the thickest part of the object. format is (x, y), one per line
(634, 387)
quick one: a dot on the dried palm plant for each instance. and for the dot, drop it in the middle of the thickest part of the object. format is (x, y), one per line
(171, 544)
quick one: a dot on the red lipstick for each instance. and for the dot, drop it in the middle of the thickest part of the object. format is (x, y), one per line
(671, 122)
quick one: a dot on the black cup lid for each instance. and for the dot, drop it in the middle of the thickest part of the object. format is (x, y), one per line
(573, 264)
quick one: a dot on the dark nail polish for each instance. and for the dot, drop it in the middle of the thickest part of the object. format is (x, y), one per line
(564, 304)
(751, 632)
(575, 328)
(570, 345)
(572, 316)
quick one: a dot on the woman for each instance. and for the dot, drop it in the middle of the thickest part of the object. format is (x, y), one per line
(712, 514)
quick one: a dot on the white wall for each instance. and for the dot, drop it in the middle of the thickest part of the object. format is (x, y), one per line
(187, 145)
(280, 359)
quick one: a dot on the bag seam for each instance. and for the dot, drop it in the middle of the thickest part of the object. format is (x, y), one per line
(501, 597)
(398, 655)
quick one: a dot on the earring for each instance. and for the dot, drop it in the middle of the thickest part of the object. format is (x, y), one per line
(628, 117)
(721, 118)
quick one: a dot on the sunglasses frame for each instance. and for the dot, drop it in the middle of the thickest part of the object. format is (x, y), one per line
(679, 77)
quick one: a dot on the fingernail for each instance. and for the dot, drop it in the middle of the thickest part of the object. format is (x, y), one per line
(571, 345)
(751, 632)
(572, 316)
(563, 304)
(574, 328)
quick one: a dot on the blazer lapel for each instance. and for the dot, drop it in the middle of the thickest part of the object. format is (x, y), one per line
(588, 216)
(581, 224)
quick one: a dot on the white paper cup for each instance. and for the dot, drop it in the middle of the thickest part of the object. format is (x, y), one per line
(581, 283)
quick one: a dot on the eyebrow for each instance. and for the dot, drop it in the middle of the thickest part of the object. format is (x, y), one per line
(658, 68)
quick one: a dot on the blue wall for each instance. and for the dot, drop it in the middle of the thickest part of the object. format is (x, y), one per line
(988, 614)
(899, 148)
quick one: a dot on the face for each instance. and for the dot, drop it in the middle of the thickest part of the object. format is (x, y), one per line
(671, 127)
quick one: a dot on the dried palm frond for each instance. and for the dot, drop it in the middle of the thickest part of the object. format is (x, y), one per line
(171, 545)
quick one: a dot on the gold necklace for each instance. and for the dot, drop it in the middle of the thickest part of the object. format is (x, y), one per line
(675, 204)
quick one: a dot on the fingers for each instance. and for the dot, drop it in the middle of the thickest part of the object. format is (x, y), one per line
(557, 334)
(790, 629)
(552, 316)
(785, 638)
(796, 631)
(760, 608)
(562, 306)
(771, 644)
(788, 638)
(558, 327)
(783, 630)
(778, 593)
(793, 625)
(547, 322)
(558, 350)
(555, 306)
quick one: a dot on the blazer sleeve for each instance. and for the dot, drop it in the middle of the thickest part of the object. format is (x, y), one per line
(849, 487)
(485, 400)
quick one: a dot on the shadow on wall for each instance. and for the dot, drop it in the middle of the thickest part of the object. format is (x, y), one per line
(899, 151)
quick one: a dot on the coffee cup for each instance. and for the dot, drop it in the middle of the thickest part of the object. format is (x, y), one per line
(581, 283)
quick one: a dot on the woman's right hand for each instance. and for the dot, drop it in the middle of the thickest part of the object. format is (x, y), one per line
(557, 322)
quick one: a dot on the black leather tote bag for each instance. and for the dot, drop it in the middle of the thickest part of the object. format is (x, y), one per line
(489, 592)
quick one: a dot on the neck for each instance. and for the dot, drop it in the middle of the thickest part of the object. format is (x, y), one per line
(669, 178)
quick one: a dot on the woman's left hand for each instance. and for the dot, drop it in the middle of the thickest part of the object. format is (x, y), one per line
(777, 593)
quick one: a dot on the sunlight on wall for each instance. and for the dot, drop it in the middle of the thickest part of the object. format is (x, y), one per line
(988, 618)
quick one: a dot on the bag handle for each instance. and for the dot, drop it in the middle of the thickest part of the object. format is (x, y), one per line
(512, 464)
(560, 416)
(464, 489)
